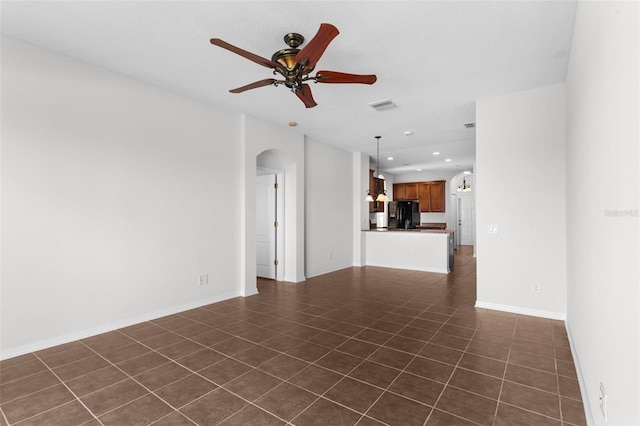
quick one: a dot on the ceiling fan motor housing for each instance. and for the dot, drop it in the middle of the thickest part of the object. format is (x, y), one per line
(287, 58)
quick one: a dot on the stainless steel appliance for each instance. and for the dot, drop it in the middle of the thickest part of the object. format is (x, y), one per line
(404, 214)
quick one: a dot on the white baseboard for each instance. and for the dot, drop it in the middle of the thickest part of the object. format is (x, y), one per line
(583, 388)
(250, 292)
(521, 311)
(83, 334)
(410, 268)
(327, 271)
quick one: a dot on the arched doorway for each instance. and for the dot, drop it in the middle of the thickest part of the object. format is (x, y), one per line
(278, 149)
(274, 203)
(463, 215)
(270, 215)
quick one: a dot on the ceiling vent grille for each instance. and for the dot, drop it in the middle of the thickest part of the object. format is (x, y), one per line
(383, 105)
(469, 125)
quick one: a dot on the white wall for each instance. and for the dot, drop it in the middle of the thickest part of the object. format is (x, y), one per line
(602, 177)
(110, 200)
(361, 217)
(521, 188)
(328, 208)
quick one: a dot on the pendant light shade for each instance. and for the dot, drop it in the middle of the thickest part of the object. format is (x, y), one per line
(382, 196)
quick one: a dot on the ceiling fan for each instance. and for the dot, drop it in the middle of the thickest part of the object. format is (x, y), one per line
(294, 65)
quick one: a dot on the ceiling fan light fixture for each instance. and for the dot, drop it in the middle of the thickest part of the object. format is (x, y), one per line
(294, 65)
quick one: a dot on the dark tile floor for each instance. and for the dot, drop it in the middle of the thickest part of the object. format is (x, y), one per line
(364, 346)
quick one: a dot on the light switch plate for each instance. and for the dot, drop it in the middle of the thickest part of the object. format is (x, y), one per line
(492, 229)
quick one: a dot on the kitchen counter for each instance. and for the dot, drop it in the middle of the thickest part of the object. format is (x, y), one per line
(417, 230)
(415, 249)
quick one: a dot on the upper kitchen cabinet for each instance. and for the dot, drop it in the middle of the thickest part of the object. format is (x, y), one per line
(431, 195)
(405, 191)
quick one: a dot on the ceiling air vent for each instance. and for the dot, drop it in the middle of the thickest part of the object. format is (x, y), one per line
(469, 125)
(383, 105)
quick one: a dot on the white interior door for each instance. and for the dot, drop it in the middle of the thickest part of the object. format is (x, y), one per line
(265, 226)
(466, 220)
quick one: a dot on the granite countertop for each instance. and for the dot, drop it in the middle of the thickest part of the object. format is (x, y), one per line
(414, 231)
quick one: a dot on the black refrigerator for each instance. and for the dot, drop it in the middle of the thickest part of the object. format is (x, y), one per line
(404, 214)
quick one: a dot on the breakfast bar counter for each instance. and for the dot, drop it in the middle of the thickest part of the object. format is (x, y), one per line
(415, 249)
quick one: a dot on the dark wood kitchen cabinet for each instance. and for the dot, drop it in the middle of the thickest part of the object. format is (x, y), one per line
(405, 191)
(431, 195)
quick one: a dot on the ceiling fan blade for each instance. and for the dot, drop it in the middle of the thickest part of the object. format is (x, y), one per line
(341, 77)
(312, 52)
(248, 55)
(254, 85)
(305, 96)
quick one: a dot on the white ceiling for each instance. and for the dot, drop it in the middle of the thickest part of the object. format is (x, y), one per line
(433, 59)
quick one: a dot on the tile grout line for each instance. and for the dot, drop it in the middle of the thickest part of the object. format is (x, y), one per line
(68, 388)
(300, 311)
(504, 373)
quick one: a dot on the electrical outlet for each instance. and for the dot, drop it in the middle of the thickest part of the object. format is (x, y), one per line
(537, 288)
(492, 229)
(330, 256)
(204, 279)
(602, 397)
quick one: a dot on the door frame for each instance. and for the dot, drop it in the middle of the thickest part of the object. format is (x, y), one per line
(279, 217)
(472, 220)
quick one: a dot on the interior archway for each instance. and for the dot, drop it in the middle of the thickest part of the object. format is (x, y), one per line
(279, 162)
(464, 200)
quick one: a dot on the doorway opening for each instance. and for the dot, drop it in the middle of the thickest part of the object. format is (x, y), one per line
(463, 211)
(269, 224)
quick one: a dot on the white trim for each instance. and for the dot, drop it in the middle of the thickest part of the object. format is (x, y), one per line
(521, 311)
(408, 268)
(583, 388)
(72, 337)
(328, 271)
(280, 208)
(253, 292)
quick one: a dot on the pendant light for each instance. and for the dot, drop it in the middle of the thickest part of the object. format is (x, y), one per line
(464, 187)
(383, 195)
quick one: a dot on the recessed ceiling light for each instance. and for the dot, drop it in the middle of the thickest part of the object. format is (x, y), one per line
(467, 172)
(436, 153)
(408, 133)
(448, 160)
(418, 170)
(389, 158)
(293, 124)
